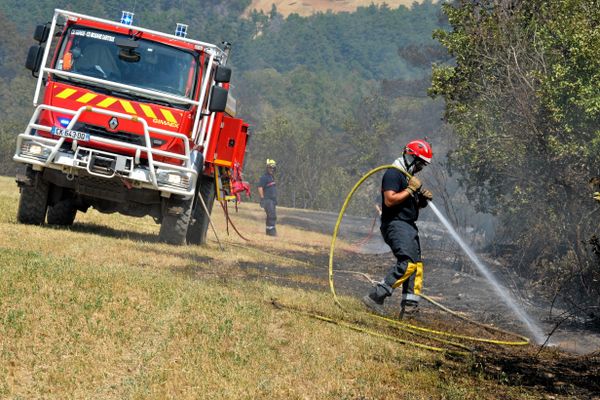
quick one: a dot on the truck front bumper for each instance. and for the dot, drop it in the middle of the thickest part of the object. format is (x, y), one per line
(71, 157)
(42, 152)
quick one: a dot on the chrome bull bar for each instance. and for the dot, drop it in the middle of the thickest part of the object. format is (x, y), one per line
(146, 177)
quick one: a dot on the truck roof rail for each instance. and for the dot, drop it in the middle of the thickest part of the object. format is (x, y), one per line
(205, 45)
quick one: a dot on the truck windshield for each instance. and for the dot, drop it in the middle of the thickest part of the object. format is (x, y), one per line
(151, 65)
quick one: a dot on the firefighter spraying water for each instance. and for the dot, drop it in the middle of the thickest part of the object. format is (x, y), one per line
(402, 197)
(132, 121)
(406, 269)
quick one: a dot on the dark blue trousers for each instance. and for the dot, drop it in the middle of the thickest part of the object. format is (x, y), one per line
(403, 239)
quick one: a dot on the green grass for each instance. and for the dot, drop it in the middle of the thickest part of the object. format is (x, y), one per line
(103, 311)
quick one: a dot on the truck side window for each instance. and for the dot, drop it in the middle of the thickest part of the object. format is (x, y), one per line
(190, 79)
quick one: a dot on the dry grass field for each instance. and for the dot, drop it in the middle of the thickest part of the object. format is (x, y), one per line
(102, 310)
(308, 7)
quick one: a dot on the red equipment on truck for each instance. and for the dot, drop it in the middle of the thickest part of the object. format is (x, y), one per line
(132, 121)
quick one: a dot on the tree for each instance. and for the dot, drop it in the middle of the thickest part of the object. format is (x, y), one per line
(522, 97)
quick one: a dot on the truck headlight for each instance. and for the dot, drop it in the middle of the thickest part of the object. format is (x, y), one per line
(34, 150)
(173, 179)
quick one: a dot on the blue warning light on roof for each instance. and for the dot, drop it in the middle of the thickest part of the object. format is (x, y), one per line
(127, 18)
(181, 30)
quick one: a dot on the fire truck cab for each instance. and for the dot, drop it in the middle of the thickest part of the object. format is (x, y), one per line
(132, 121)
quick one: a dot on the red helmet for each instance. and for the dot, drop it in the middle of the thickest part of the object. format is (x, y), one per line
(419, 148)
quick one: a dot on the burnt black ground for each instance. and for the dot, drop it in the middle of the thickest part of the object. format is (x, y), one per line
(570, 367)
(448, 277)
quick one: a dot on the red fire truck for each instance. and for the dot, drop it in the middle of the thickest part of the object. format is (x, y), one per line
(132, 121)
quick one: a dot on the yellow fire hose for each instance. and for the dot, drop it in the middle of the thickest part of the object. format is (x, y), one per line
(429, 333)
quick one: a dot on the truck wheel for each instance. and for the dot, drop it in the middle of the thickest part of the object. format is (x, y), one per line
(33, 201)
(198, 229)
(62, 213)
(175, 220)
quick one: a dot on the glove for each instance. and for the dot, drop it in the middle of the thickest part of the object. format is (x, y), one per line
(597, 196)
(262, 203)
(414, 185)
(426, 194)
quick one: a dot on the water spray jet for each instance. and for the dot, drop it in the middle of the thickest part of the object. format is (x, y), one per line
(538, 336)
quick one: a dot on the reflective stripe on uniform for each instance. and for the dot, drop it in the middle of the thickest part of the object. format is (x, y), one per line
(411, 297)
(419, 278)
(410, 269)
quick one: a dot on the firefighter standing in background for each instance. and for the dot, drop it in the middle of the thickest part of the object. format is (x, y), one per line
(401, 200)
(268, 197)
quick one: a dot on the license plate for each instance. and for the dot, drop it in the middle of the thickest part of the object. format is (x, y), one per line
(67, 133)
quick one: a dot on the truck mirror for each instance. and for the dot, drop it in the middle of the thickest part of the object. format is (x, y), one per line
(41, 33)
(127, 48)
(222, 74)
(34, 58)
(218, 99)
(128, 55)
(126, 43)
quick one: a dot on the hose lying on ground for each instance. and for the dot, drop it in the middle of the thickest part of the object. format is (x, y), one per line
(404, 326)
(426, 333)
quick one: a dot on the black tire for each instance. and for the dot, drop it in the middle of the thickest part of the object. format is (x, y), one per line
(33, 201)
(62, 213)
(175, 220)
(198, 230)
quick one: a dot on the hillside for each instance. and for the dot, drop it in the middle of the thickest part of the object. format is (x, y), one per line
(309, 7)
(101, 310)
